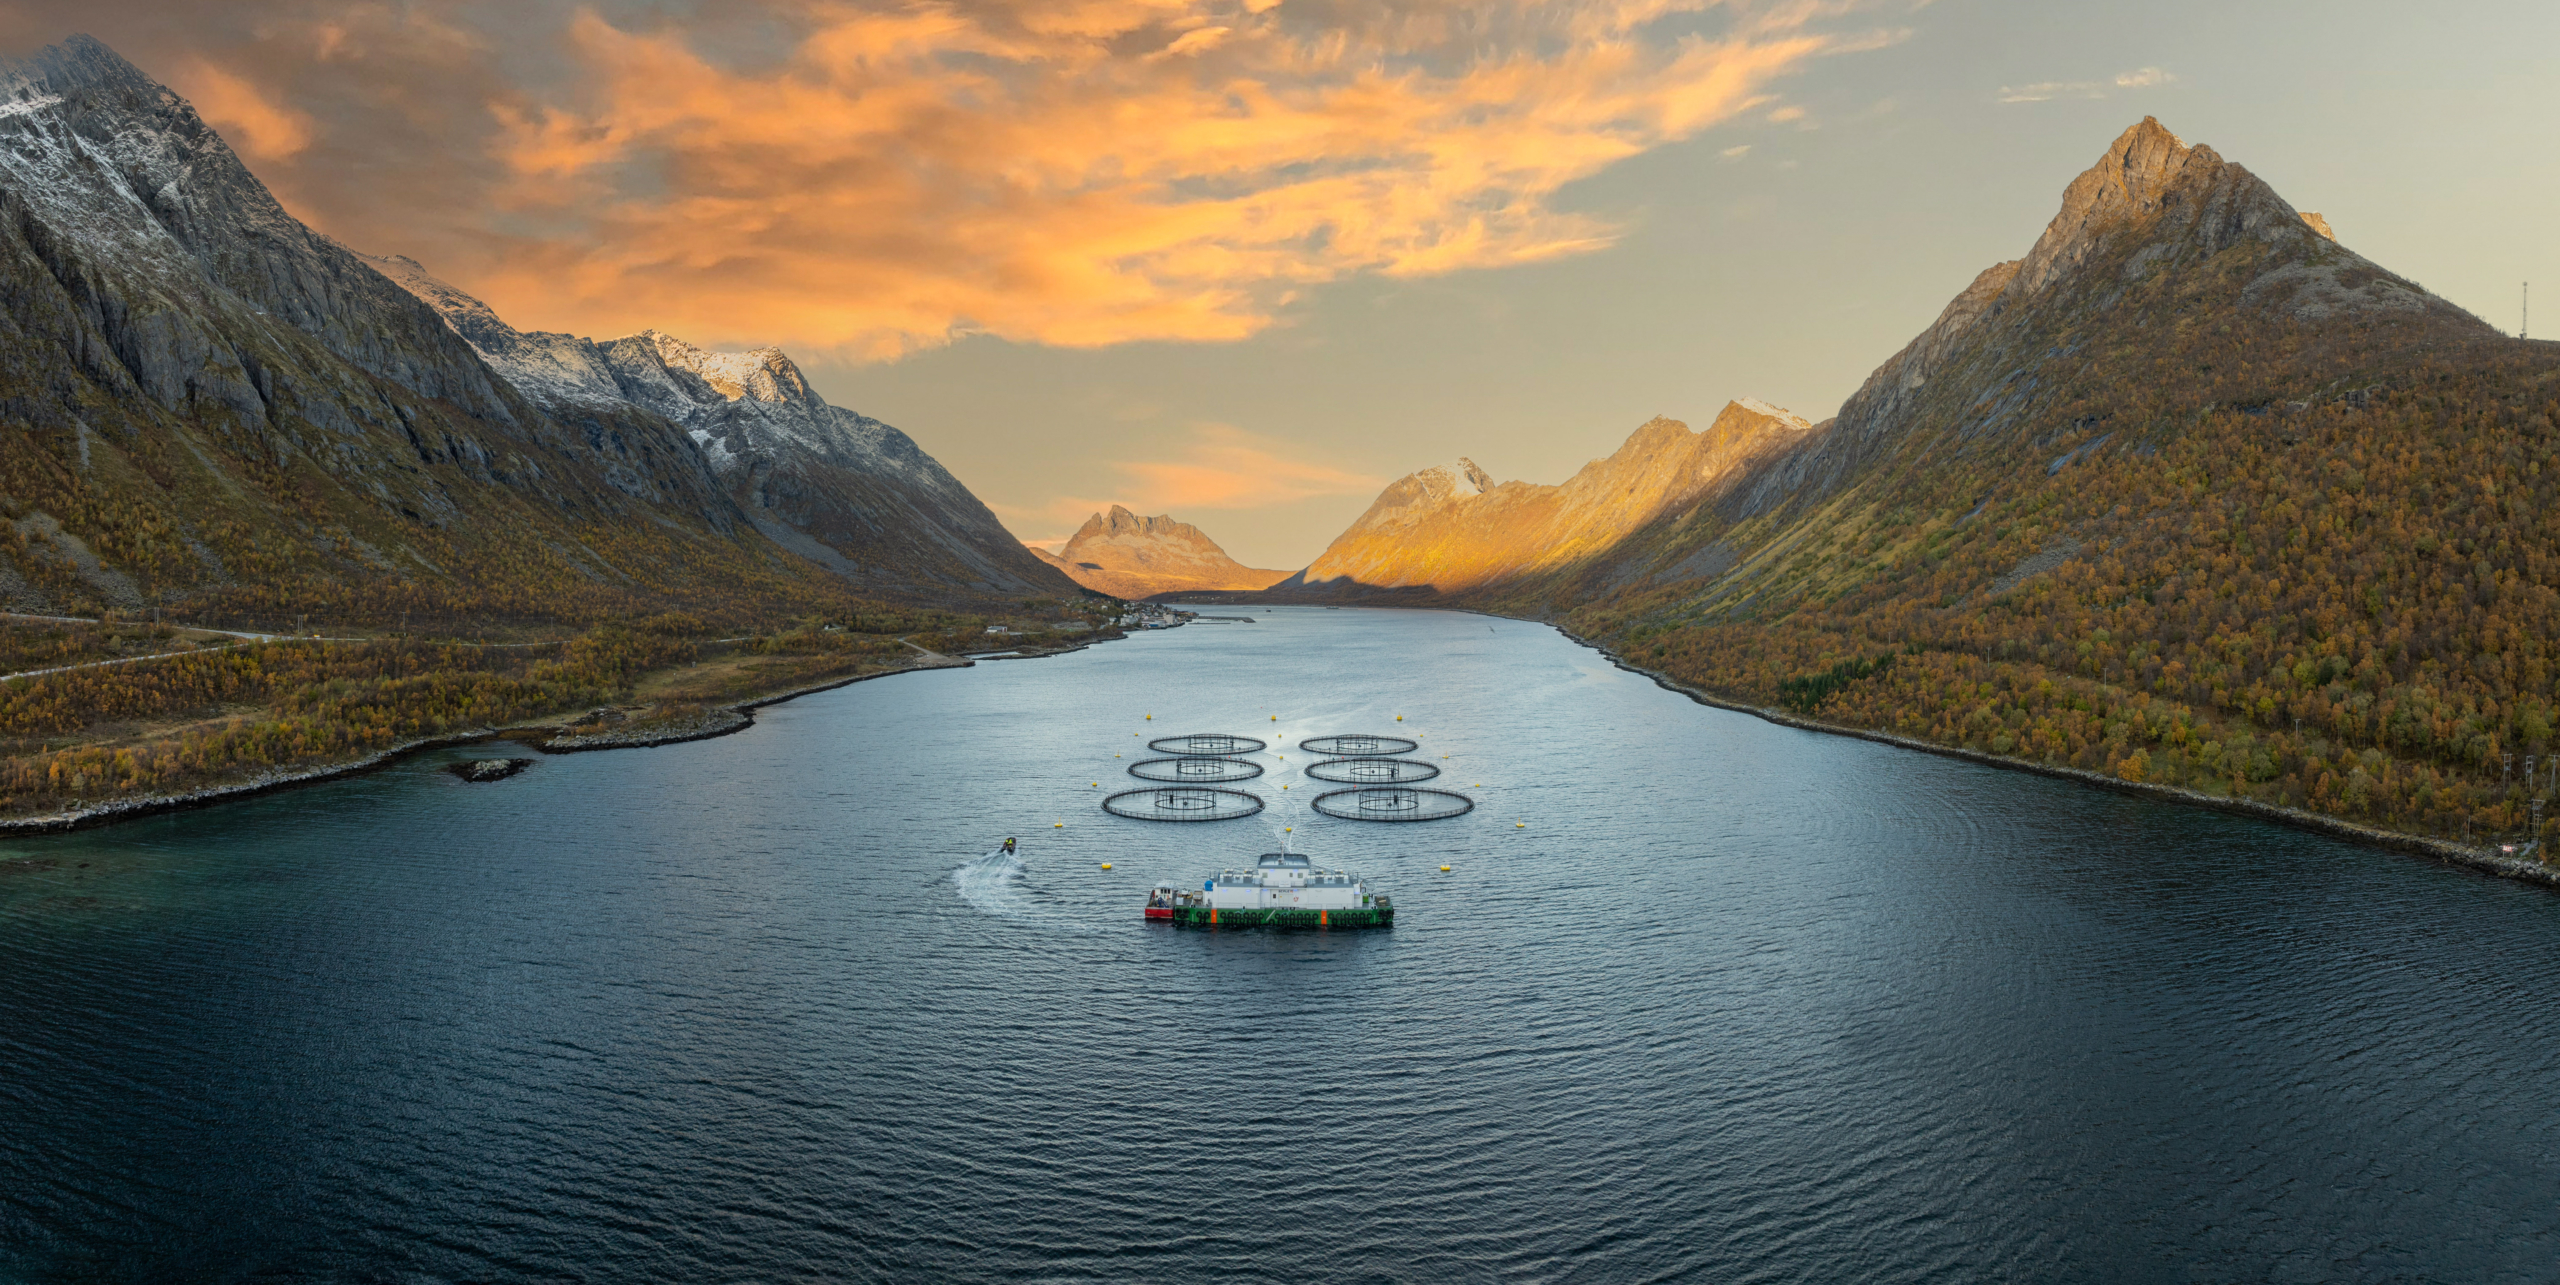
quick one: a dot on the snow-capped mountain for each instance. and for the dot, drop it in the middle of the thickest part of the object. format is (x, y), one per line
(207, 402)
(841, 488)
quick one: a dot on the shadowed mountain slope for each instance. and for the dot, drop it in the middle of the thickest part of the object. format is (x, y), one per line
(842, 489)
(1127, 556)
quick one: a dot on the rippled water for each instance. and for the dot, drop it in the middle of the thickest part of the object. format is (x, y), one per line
(1738, 1003)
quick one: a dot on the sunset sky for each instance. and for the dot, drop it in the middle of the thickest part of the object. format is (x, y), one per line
(1246, 261)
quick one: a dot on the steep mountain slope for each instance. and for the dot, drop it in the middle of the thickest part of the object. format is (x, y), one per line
(1450, 529)
(2190, 494)
(1127, 556)
(216, 409)
(840, 488)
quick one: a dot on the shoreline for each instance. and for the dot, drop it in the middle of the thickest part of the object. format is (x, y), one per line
(2483, 860)
(739, 716)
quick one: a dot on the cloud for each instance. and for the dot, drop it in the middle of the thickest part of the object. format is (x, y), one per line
(1084, 173)
(262, 128)
(2048, 90)
(865, 178)
(1222, 467)
(1736, 153)
(1785, 114)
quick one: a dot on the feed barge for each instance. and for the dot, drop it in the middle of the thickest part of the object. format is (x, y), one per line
(1281, 890)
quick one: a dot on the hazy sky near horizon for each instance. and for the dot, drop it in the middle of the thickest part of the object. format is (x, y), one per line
(1246, 261)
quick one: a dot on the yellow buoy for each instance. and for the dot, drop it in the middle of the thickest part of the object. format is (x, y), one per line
(1444, 869)
(1106, 865)
(1399, 718)
(1059, 826)
(1275, 718)
(1520, 825)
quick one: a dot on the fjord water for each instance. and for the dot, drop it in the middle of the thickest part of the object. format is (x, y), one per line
(1739, 1002)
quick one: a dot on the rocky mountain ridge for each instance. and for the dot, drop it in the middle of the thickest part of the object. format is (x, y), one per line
(222, 411)
(1127, 556)
(1451, 528)
(838, 487)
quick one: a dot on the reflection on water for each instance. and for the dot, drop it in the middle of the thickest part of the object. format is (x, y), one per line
(1739, 1002)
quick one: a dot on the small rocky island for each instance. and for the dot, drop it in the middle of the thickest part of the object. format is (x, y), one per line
(488, 769)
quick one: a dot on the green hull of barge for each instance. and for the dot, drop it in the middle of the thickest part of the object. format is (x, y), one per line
(1364, 917)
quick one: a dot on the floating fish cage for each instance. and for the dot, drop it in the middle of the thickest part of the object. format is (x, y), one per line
(1393, 803)
(1358, 746)
(1374, 771)
(1205, 745)
(1195, 770)
(1182, 803)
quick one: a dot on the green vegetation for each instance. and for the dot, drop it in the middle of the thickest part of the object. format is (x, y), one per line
(2314, 562)
(228, 711)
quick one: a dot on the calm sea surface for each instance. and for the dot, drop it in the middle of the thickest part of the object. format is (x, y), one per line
(1738, 1003)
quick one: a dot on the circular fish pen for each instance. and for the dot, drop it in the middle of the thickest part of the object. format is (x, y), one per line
(1373, 771)
(1195, 770)
(1358, 745)
(1204, 745)
(1393, 803)
(1182, 803)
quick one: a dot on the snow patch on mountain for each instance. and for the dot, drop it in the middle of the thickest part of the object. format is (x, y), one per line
(1778, 413)
(553, 369)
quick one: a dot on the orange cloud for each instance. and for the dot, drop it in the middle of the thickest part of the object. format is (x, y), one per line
(262, 127)
(1085, 172)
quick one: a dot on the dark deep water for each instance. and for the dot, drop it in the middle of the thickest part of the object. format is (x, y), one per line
(1740, 1003)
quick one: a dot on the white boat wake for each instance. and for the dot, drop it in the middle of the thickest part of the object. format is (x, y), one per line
(994, 884)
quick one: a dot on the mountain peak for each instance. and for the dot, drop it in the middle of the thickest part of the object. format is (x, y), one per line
(2136, 177)
(764, 374)
(1779, 413)
(1120, 553)
(1459, 481)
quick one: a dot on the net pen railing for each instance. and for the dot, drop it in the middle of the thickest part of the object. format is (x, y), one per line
(1358, 745)
(1393, 803)
(1195, 770)
(1373, 771)
(1205, 744)
(1182, 803)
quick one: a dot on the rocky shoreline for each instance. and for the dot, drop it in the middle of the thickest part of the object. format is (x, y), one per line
(2485, 860)
(550, 738)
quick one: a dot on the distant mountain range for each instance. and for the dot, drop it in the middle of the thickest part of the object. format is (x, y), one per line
(1127, 556)
(218, 410)
(1451, 529)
